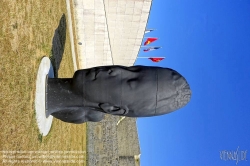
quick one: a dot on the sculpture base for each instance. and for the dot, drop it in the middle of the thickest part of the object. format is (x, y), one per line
(45, 71)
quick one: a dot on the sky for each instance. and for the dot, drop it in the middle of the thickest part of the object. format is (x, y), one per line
(208, 42)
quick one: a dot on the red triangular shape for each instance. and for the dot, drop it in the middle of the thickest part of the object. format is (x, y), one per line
(150, 40)
(156, 59)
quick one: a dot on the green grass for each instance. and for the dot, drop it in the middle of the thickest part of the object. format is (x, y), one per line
(27, 29)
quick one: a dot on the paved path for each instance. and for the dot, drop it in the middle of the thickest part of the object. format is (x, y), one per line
(71, 35)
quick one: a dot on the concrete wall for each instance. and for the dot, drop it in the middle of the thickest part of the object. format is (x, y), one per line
(127, 138)
(126, 160)
(111, 31)
(126, 20)
(92, 32)
(109, 144)
(102, 143)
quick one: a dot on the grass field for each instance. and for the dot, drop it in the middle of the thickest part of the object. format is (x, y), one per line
(29, 30)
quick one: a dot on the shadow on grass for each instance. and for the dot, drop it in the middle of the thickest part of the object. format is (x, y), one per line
(58, 44)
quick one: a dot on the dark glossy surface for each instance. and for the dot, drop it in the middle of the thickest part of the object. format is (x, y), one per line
(137, 91)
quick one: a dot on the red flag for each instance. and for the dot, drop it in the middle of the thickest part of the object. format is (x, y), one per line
(150, 40)
(156, 59)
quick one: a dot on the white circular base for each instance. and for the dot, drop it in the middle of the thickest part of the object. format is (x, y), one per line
(45, 69)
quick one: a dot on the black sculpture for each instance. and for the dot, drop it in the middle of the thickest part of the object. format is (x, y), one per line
(137, 91)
